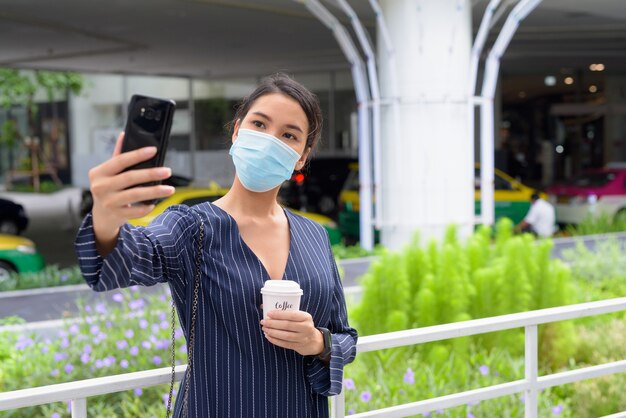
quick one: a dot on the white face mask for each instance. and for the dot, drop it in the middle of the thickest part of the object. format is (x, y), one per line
(262, 161)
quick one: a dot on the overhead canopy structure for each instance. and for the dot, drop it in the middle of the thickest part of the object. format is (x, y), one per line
(232, 38)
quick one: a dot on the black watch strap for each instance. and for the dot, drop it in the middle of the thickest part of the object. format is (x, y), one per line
(328, 342)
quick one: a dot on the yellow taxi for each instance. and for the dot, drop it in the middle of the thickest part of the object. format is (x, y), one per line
(194, 195)
(511, 200)
(18, 255)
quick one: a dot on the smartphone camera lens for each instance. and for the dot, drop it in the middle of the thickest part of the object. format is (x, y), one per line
(149, 114)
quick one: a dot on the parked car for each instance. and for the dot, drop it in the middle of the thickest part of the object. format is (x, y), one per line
(192, 196)
(593, 192)
(317, 187)
(13, 219)
(18, 255)
(511, 200)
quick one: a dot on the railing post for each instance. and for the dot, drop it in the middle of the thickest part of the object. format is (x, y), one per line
(531, 363)
(338, 406)
(79, 408)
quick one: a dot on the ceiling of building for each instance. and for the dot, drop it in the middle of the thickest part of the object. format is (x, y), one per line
(244, 38)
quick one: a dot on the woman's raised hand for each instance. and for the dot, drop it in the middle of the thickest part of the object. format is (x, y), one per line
(113, 192)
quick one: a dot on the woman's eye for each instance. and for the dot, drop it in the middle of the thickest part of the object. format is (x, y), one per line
(258, 124)
(289, 136)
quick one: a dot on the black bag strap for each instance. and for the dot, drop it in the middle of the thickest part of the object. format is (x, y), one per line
(192, 329)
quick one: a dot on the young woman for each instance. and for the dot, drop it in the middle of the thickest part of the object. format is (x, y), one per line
(242, 366)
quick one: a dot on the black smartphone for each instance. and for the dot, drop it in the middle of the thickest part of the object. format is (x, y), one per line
(148, 124)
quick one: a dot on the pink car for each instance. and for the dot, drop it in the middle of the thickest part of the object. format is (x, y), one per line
(594, 192)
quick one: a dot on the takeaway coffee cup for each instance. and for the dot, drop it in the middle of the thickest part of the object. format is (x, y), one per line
(281, 295)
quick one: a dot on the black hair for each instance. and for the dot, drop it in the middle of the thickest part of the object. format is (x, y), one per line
(282, 83)
(535, 196)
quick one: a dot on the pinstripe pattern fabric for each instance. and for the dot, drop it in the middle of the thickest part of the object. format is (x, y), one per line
(237, 372)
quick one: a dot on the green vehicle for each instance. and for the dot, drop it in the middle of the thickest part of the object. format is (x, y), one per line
(18, 255)
(511, 200)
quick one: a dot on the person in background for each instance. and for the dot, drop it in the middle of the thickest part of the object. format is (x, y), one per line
(540, 218)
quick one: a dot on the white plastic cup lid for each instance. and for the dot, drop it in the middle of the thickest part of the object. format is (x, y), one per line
(283, 287)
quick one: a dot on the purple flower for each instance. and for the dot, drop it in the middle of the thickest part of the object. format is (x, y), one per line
(162, 316)
(68, 368)
(349, 384)
(366, 396)
(183, 348)
(409, 377)
(23, 342)
(161, 344)
(101, 336)
(89, 320)
(143, 324)
(99, 364)
(44, 349)
(134, 288)
(162, 298)
(101, 308)
(178, 333)
(440, 411)
(118, 297)
(64, 277)
(484, 370)
(136, 304)
(74, 329)
(106, 362)
(129, 333)
(470, 415)
(146, 345)
(155, 328)
(60, 356)
(401, 392)
(134, 351)
(54, 372)
(109, 324)
(165, 397)
(55, 415)
(138, 392)
(87, 308)
(557, 410)
(124, 364)
(473, 403)
(85, 358)
(121, 344)
(426, 414)
(157, 360)
(87, 349)
(351, 411)
(94, 329)
(65, 343)
(165, 324)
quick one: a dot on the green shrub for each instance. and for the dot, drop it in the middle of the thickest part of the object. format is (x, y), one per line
(454, 281)
(132, 333)
(601, 223)
(48, 277)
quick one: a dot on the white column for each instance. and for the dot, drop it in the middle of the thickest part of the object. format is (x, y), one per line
(427, 150)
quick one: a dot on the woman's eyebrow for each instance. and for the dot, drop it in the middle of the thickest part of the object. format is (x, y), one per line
(290, 126)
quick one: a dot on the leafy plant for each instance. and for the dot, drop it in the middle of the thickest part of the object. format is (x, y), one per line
(19, 87)
(48, 277)
(453, 281)
(601, 223)
(343, 252)
(131, 333)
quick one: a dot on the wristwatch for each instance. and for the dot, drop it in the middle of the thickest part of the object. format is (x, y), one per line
(328, 343)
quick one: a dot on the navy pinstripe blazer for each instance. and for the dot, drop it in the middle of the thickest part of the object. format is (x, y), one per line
(236, 372)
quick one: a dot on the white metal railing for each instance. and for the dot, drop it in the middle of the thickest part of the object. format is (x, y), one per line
(78, 392)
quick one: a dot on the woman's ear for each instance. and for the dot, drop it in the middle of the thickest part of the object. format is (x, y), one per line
(302, 161)
(235, 130)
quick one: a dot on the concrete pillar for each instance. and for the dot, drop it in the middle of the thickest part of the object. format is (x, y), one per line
(428, 153)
